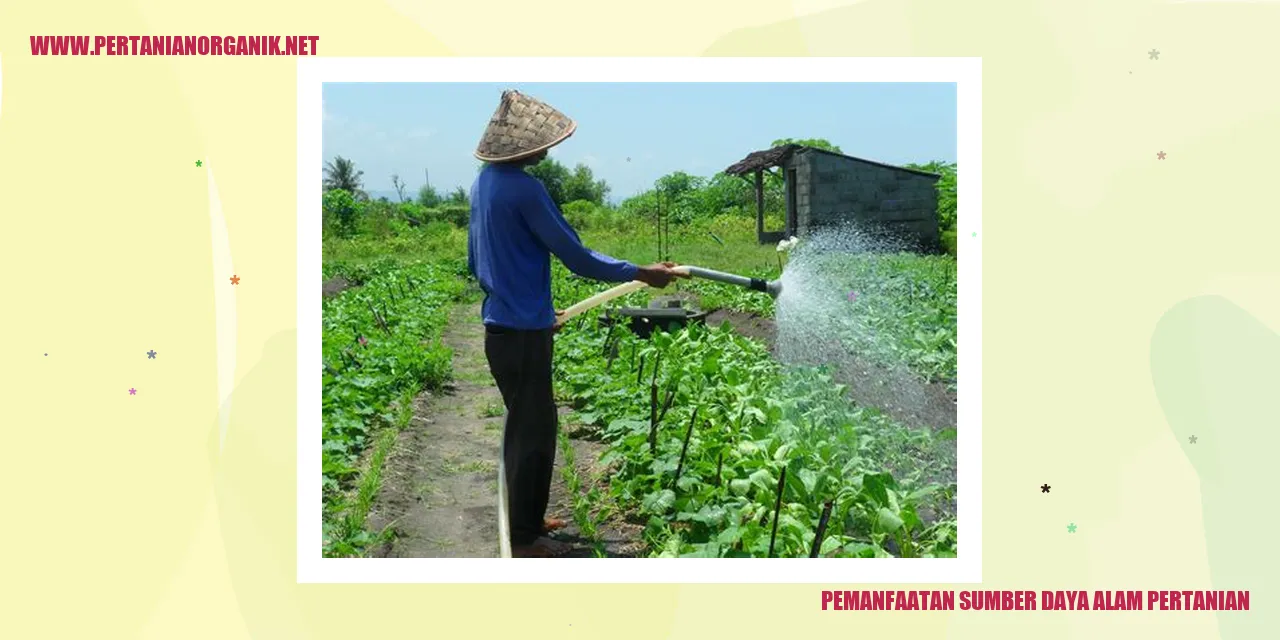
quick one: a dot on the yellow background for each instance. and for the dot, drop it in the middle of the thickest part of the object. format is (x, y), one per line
(1130, 302)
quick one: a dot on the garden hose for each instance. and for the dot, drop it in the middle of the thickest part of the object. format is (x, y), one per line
(772, 287)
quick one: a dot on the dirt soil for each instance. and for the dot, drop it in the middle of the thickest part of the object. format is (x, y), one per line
(334, 286)
(903, 397)
(439, 492)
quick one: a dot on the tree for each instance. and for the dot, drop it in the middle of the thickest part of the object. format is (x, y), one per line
(342, 174)
(399, 185)
(553, 176)
(816, 143)
(458, 196)
(679, 183)
(429, 197)
(946, 188)
(582, 185)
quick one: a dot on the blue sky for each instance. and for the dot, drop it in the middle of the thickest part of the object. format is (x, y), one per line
(630, 134)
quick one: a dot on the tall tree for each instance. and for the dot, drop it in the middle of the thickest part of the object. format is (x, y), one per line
(582, 185)
(553, 176)
(341, 173)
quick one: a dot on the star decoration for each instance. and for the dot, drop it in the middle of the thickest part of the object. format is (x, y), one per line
(235, 279)
(1071, 528)
(1160, 155)
(853, 296)
(198, 163)
(1192, 439)
(151, 354)
(1153, 54)
(133, 392)
(975, 234)
(1044, 488)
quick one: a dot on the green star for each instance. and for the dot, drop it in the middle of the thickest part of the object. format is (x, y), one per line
(198, 163)
(975, 234)
(1071, 528)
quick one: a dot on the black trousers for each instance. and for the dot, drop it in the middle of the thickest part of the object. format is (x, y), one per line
(520, 362)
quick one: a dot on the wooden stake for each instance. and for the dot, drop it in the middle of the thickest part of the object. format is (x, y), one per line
(653, 418)
(685, 449)
(822, 529)
(666, 403)
(777, 507)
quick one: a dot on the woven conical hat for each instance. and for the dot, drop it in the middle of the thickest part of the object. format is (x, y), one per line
(521, 127)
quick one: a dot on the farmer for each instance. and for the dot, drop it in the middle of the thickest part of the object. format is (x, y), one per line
(515, 227)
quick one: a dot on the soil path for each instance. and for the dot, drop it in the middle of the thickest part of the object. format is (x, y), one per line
(439, 491)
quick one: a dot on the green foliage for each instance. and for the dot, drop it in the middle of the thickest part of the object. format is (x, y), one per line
(566, 186)
(752, 422)
(339, 212)
(455, 214)
(428, 196)
(904, 312)
(581, 213)
(582, 185)
(816, 143)
(380, 341)
(946, 188)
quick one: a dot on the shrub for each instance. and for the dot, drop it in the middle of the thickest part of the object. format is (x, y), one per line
(339, 212)
(456, 214)
(580, 213)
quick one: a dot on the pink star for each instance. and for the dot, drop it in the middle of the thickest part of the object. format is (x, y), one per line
(133, 392)
(1160, 155)
(853, 296)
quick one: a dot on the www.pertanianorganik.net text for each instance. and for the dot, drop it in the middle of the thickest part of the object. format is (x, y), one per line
(174, 45)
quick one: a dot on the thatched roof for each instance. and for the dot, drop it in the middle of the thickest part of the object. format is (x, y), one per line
(777, 156)
(760, 160)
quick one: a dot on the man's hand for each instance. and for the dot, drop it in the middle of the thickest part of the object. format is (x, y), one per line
(659, 275)
(559, 323)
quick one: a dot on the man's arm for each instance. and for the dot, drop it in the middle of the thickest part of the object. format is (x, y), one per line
(544, 218)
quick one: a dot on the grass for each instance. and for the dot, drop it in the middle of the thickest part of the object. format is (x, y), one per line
(586, 506)
(493, 409)
(349, 531)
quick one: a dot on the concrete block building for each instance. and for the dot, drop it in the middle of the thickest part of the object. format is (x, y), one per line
(824, 188)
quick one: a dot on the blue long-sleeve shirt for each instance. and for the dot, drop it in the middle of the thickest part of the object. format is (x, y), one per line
(514, 229)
